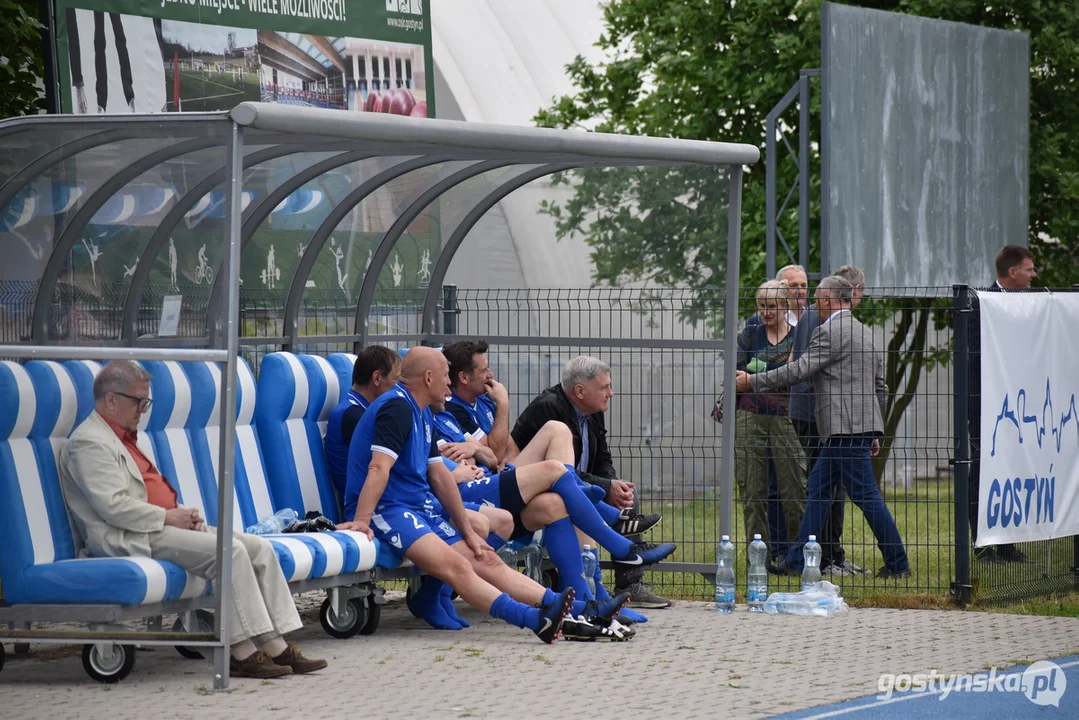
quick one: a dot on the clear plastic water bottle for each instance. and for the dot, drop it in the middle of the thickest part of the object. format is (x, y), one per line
(725, 575)
(508, 553)
(757, 579)
(532, 554)
(273, 524)
(811, 572)
(588, 560)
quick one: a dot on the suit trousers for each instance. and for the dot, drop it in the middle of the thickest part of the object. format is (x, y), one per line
(845, 459)
(261, 600)
(832, 552)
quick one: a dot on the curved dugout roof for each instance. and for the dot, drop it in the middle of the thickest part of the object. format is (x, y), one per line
(358, 206)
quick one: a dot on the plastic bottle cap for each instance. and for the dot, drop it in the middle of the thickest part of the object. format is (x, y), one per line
(587, 548)
(725, 538)
(756, 536)
(812, 538)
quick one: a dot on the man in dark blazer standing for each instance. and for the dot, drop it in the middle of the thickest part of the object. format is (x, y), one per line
(580, 401)
(847, 371)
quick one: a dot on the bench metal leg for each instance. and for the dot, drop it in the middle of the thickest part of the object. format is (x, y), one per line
(221, 668)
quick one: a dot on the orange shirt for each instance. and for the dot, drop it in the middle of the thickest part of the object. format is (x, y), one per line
(158, 490)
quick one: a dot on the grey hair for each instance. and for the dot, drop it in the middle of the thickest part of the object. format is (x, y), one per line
(118, 377)
(787, 268)
(581, 369)
(838, 288)
(854, 275)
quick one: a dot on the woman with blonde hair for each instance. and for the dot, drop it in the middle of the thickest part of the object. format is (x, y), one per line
(763, 430)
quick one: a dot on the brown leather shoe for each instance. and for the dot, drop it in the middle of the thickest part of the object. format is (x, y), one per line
(258, 666)
(294, 659)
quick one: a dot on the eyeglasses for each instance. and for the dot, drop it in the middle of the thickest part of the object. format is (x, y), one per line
(144, 402)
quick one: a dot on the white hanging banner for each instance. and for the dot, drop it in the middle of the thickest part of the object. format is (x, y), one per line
(1029, 478)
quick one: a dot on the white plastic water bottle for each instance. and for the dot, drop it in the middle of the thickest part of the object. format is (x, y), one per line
(757, 579)
(273, 524)
(588, 560)
(725, 575)
(508, 553)
(811, 572)
(532, 554)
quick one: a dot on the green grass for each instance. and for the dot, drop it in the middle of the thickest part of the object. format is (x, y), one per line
(924, 515)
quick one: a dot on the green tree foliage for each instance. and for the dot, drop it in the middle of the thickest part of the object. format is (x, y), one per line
(21, 67)
(712, 71)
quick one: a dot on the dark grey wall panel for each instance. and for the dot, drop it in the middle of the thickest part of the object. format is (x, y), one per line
(927, 142)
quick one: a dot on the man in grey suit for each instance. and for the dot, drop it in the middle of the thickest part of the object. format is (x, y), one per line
(124, 507)
(847, 371)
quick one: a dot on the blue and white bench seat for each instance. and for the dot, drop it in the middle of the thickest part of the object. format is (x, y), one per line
(39, 563)
(185, 429)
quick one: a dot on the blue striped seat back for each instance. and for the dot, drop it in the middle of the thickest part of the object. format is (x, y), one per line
(168, 426)
(286, 419)
(25, 521)
(342, 364)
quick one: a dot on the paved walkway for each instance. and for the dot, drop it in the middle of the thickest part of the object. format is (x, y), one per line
(688, 662)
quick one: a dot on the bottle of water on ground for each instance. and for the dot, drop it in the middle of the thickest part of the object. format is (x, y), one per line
(532, 554)
(725, 575)
(273, 524)
(811, 572)
(508, 553)
(588, 560)
(757, 585)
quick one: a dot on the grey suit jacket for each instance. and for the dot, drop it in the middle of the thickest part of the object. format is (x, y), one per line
(105, 492)
(847, 371)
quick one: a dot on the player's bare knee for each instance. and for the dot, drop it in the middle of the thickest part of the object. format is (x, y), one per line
(501, 522)
(556, 428)
(455, 569)
(481, 525)
(552, 470)
(544, 509)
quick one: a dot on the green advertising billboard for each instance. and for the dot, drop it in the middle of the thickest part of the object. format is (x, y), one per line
(204, 55)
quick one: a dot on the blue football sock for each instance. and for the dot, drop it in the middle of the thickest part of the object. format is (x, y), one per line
(633, 615)
(549, 597)
(560, 539)
(425, 604)
(584, 515)
(595, 493)
(609, 513)
(445, 601)
(509, 610)
(495, 541)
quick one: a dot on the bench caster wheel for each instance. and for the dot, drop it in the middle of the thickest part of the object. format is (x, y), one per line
(205, 622)
(374, 614)
(109, 666)
(348, 623)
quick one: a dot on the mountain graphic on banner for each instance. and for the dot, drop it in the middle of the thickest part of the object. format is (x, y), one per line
(1048, 422)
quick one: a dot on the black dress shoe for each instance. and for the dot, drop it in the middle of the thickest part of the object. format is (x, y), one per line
(886, 573)
(988, 556)
(1011, 554)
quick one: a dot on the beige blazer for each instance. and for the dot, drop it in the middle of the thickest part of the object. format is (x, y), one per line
(105, 492)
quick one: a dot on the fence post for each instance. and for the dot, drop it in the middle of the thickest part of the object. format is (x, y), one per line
(961, 588)
(449, 310)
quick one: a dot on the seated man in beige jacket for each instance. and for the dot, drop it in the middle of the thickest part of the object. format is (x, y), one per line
(123, 506)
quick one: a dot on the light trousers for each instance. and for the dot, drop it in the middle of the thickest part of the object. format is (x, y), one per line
(261, 603)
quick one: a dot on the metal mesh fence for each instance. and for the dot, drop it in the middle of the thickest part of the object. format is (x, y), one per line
(666, 364)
